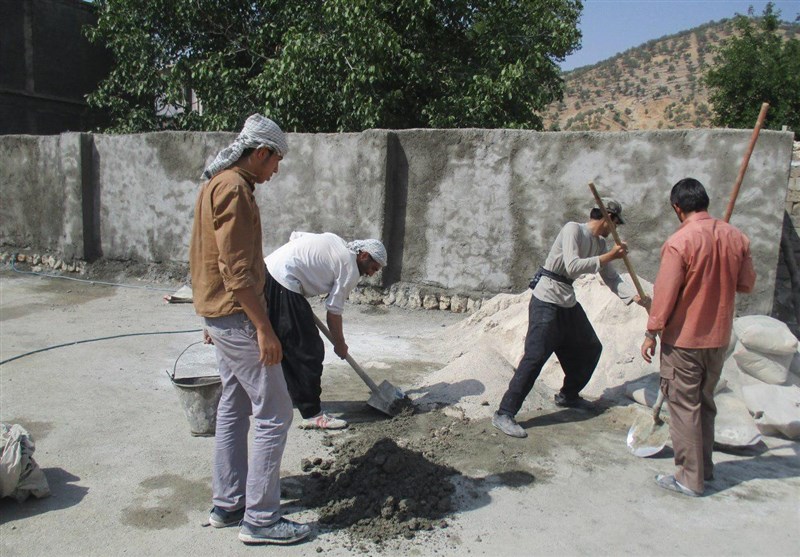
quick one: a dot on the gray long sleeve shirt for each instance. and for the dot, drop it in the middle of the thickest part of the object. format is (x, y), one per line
(576, 252)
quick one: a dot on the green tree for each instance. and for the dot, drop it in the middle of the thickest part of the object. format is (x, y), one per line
(757, 64)
(333, 65)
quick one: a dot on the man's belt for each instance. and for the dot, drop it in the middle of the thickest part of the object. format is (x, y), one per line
(542, 272)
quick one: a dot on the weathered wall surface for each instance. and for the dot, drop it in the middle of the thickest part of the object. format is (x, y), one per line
(41, 195)
(487, 204)
(470, 211)
(329, 182)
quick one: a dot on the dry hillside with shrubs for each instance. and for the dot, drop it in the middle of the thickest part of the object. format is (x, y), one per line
(658, 85)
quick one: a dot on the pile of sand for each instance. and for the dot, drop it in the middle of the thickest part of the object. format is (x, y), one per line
(486, 347)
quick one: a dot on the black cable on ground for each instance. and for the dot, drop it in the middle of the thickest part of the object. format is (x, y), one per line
(97, 339)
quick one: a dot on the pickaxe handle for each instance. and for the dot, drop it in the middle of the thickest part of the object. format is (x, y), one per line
(614, 233)
(743, 168)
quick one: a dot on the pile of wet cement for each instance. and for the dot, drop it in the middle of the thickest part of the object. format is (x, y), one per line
(382, 483)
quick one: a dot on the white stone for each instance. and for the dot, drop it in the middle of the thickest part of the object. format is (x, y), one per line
(430, 301)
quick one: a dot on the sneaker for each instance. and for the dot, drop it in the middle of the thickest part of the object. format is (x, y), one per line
(282, 532)
(572, 402)
(507, 425)
(670, 483)
(220, 518)
(323, 421)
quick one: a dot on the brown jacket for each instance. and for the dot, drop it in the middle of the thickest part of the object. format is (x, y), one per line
(225, 252)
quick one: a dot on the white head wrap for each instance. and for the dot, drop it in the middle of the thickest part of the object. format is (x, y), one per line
(371, 246)
(258, 131)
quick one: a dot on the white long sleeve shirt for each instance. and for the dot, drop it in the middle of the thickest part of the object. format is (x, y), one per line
(316, 264)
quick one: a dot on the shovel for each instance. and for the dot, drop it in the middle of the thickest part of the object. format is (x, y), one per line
(649, 434)
(385, 397)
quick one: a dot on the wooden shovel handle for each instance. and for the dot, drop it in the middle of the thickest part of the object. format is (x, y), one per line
(357, 368)
(613, 228)
(745, 161)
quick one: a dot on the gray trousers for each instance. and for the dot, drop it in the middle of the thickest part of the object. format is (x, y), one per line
(248, 387)
(688, 378)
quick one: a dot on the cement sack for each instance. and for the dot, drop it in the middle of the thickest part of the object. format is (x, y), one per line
(765, 335)
(776, 408)
(769, 368)
(20, 476)
(734, 426)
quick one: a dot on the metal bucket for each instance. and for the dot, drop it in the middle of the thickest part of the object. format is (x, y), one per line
(199, 397)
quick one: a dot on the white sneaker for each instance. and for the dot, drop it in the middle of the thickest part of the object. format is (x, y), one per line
(323, 421)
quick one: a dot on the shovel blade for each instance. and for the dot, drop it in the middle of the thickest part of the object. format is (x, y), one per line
(646, 437)
(389, 399)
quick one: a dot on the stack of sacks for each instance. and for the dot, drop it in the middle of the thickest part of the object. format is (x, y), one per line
(764, 353)
(764, 349)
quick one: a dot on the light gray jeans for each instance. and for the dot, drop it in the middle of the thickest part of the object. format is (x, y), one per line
(248, 387)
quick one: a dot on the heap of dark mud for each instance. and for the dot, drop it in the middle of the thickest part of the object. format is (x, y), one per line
(380, 485)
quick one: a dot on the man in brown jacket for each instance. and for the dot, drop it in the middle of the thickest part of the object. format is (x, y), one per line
(227, 266)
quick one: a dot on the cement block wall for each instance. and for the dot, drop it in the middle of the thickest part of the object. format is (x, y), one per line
(464, 211)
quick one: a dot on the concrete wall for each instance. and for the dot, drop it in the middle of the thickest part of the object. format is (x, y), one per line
(461, 210)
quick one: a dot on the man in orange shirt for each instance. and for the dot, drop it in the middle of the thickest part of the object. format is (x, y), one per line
(703, 264)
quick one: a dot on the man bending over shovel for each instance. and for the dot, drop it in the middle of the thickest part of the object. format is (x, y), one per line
(703, 265)
(312, 265)
(557, 322)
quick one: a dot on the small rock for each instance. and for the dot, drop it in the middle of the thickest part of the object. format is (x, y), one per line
(485, 403)
(319, 550)
(305, 465)
(20, 258)
(430, 301)
(317, 461)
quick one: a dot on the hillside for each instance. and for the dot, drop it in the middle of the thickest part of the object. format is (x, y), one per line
(657, 85)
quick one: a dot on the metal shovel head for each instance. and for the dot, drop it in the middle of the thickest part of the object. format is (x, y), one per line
(646, 437)
(389, 399)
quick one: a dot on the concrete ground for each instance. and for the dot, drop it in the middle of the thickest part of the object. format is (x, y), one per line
(127, 478)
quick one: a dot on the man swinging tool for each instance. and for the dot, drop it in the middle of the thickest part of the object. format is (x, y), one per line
(557, 322)
(311, 265)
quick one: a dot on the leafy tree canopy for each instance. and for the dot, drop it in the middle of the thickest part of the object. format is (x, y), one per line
(334, 65)
(758, 64)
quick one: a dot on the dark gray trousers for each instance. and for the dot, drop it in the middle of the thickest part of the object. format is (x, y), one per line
(292, 319)
(565, 331)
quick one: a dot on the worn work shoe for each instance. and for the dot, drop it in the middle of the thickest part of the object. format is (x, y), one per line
(220, 518)
(323, 421)
(670, 483)
(508, 425)
(282, 532)
(572, 402)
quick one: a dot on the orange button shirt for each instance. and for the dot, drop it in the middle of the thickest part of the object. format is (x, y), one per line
(703, 265)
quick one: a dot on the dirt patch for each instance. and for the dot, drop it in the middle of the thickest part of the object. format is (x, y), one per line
(395, 480)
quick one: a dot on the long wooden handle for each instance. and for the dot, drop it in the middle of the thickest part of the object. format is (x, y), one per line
(657, 406)
(361, 373)
(613, 228)
(745, 161)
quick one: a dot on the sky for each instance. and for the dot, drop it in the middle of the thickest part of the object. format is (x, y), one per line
(613, 26)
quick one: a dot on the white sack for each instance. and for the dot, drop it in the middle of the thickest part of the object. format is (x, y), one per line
(769, 368)
(776, 408)
(765, 335)
(734, 426)
(20, 476)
